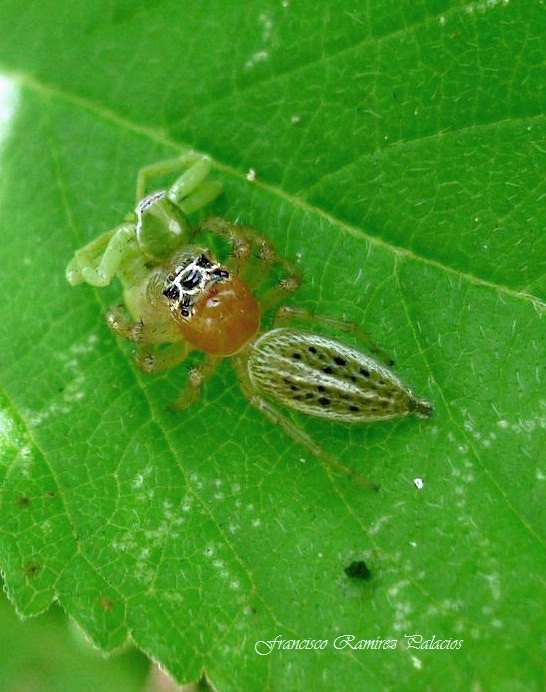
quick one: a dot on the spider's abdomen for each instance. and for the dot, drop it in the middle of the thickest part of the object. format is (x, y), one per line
(224, 318)
(322, 377)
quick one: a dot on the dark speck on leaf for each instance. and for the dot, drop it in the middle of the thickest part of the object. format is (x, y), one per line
(358, 570)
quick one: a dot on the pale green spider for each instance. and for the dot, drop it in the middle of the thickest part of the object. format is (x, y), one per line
(179, 298)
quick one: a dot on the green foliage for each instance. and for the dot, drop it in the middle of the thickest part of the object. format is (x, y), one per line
(399, 153)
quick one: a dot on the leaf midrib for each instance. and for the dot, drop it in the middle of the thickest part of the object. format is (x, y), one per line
(158, 137)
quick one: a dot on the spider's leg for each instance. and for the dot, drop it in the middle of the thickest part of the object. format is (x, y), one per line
(196, 378)
(158, 331)
(159, 347)
(288, 315)
(267, 261)
(291, 429)
(189, 190)
(153, 360)
(239, 241)
(245, 243)
(98, 262)
(287, 285)
(206, 193)
(167, 167)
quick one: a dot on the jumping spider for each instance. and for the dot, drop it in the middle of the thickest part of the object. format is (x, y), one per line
(179, 298)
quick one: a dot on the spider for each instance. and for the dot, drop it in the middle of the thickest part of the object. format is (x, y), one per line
(178, 298)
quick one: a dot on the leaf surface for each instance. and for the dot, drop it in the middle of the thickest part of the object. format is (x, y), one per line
(399, 154)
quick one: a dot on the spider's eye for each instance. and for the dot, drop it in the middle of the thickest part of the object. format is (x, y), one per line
(204, 262)
(221, 273)
(185, 307)
(191, 280)
(172, 293)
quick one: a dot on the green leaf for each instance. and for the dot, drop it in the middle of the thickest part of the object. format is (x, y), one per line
(399, 154)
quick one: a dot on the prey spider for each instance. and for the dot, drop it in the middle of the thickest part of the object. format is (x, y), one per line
(178, 298)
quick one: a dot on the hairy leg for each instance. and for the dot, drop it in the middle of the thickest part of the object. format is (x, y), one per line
(286, 316)
(98, 262)
(196, 378)
(291, 429)
(246, 243)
